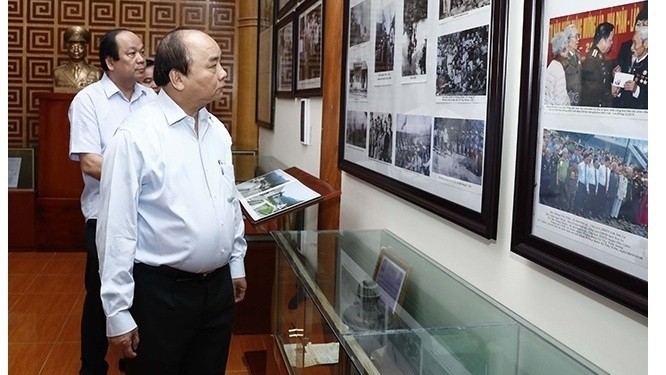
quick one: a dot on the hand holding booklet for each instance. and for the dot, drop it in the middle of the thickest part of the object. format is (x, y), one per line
(272, 194)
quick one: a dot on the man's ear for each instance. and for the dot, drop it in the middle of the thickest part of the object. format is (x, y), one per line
(109, 62)
(176, 79)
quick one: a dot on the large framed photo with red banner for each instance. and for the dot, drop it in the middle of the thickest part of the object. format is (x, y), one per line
(581, 198)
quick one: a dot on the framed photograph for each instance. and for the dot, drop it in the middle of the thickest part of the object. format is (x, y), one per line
(265, 106)
(580, 206)
(21, 168)
(422, 103)
(284, 6)
(391, 276)
(309, 64)
(285, 55)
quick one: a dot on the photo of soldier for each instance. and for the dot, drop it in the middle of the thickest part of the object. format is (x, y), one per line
(380, 143)
(415, 17)
(597, 73)
(385, 38)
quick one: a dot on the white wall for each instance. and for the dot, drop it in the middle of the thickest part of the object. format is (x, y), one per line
(611, 336)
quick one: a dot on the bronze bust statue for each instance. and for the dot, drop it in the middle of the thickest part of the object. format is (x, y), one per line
(76, 73)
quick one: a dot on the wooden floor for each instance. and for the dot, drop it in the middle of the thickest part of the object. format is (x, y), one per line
(45, 299)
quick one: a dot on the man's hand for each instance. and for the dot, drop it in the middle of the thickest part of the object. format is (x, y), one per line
(239, 289)
(127, 343)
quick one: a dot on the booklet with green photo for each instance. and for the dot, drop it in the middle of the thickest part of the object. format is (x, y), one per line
(272, 194)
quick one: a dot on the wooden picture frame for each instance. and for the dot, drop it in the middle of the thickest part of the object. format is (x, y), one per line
(391, 274)
(413, 124)
(265, 96)
(285, 55)
(309, 62)
(574, 157)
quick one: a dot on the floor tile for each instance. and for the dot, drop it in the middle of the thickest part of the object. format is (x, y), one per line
(19, 283)
(27, 358)
(64, 266)
(54, 284)
(34, 328)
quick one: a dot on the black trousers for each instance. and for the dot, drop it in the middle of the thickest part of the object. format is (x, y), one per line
(94, 343)
(184, 321)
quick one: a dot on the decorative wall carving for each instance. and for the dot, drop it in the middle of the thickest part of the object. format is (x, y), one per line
(36, 47)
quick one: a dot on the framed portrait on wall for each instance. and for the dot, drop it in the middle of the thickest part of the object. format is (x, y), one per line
(422, 99)
(580, 206)
(309, 57)
(265, 99)
(285, 55)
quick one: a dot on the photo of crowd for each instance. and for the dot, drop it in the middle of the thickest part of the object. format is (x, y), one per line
(385, 39)
(415, 17)
(412, 143)
(380, 144)
(462, 62)
(458, 149)
(603, 179)
(612, 71)
(356, 128)
(449, 8)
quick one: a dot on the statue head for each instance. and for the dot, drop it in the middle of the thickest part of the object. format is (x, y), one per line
(76, 40)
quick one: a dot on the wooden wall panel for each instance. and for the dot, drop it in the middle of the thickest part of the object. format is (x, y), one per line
(36, 47)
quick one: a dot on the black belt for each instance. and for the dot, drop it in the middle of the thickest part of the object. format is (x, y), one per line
(177, 274)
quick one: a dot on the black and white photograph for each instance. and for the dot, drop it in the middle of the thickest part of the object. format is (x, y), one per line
(600, 178)
(414, 37)
(358, 80)
(357, 128)
(359, 23)
(284, 6)
(414, 68)
(310, 32)
(285, 56)
(380, 144)
(412, 143)
(462, 63)
(385, 37)
(450, 8)
(458, 149)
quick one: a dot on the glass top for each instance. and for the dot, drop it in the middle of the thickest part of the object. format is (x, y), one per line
(395, 309)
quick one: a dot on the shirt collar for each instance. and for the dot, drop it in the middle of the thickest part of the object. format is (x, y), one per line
(174, 113)
(111, 89)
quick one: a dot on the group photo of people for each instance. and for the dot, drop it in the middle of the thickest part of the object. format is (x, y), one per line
(603, 179)
(412, 143)
(462, 62)
(380, 144)
(309, 44)
(609, 70)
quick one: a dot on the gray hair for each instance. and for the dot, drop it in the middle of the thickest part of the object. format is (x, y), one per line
(642, 33)
(570, 31)
(560, 43)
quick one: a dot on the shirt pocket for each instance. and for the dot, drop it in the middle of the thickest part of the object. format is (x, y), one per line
(228, 181)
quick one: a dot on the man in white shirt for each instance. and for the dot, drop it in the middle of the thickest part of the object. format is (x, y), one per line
(170, 231)
(94, 114)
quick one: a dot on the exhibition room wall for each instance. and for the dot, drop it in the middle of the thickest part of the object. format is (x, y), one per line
(611, 336)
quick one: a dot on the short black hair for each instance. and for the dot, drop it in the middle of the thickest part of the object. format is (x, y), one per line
(603, 31)
(150, 62)
(108, 47)
(171, 54)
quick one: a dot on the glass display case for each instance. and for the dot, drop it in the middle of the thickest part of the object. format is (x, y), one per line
(366, 302)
